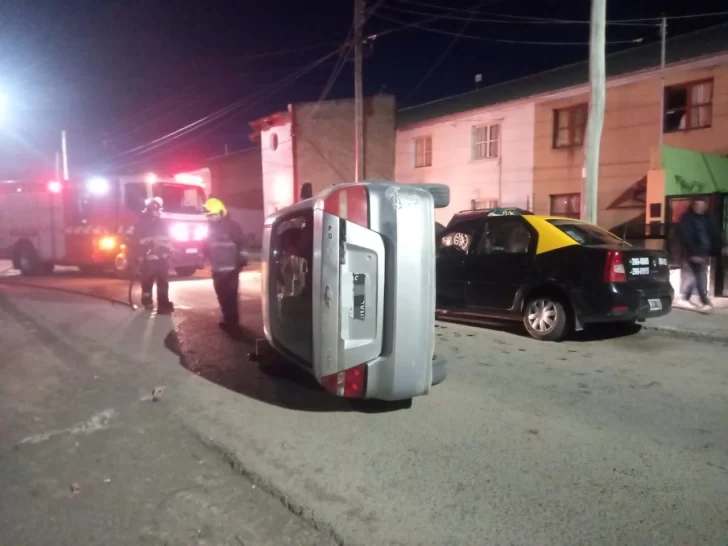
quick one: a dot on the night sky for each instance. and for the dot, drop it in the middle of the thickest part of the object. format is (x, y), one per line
(120, 74)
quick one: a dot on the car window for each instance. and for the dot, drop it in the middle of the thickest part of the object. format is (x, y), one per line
(586, 234)
(457, 239)
(505, 237)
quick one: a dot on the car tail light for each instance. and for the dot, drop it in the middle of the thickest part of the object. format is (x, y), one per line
(54, 186)
(180, 232)
(614, 271)
(350, 383)
(350, 203)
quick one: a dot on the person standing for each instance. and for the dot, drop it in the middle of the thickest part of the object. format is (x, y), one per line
(225, 252)
(153, 249)
(700, 238)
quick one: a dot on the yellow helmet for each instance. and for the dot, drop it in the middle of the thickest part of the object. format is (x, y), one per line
(214, 206)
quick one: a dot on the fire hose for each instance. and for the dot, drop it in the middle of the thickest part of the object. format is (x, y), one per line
(134, 270)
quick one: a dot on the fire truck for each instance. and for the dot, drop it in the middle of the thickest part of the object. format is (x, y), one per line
(89, 223)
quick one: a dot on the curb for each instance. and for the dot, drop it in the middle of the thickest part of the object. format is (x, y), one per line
(674, 331)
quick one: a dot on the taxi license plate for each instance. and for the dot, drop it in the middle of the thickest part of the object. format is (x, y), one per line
(191, 251)
(655, 304)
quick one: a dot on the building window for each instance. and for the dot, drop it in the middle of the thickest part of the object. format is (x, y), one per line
(570, 126)
(688, 106)
(655, 210)
(486, 141)
(423, 152)
(567, 205)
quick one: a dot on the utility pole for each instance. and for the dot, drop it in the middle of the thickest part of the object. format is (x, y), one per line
(64, 155)
(663, 55)
(359, 8)
(58, 169)
(597, 81)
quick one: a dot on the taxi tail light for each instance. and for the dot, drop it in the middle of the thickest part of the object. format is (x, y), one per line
(614, 271)
(349, 203)
(350, 383)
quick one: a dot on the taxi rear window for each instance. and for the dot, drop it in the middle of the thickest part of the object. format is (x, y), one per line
(586, 234)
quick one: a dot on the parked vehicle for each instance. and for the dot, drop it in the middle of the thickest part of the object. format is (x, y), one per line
(555, 274)
(87, 223)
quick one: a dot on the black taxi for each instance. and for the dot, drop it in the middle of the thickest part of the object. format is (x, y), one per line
(555, 274)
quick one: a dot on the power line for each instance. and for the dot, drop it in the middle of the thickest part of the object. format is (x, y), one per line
(508, 19)
(338, 67)
(651, 20)
(442, 56)
(420, 25)
(179, 101)
(216, 116)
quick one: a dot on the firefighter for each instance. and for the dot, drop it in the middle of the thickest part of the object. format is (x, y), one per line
(153, 249)
(225, 251)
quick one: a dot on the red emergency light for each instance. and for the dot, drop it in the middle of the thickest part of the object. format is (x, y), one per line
(54, 186)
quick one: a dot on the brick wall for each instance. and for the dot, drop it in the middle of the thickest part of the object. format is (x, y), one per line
(631, 133)
(237, 179)
(324, 141)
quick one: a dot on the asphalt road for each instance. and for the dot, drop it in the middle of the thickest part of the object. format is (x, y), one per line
(91, 450)
(603, 440)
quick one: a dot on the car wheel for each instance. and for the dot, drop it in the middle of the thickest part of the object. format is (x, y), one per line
(185, 271)
(545, 318)
(91, 270)
(28, 261)
(439, 369)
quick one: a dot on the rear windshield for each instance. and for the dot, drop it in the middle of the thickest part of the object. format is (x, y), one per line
(290, 296)
(586, 234)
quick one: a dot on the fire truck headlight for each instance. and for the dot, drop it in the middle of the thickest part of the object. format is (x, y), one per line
(107, 243)
(201, 232)
(98, 186)
(180, 232)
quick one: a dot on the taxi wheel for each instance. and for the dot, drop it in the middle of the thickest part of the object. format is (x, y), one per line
(187, 271)
(545, 318)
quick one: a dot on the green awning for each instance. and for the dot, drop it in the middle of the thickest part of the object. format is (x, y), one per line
(690, 173)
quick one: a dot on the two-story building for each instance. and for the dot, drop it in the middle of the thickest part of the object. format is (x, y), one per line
(521, 143)
(480, 144)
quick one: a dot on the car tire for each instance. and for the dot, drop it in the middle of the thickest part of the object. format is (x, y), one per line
(27, 259)
(91, 270)
(551, 320)
(185, 271)
(439, 370)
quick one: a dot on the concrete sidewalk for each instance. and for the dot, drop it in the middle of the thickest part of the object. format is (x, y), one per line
(694, 325)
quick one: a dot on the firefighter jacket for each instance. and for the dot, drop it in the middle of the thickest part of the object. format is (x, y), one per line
(225, 246)
(152, 238)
